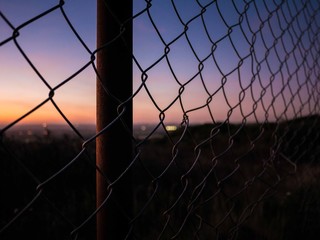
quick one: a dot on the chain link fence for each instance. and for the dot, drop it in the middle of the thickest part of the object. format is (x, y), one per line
(225, 136)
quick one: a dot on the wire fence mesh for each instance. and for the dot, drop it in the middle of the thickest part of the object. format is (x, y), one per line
(226, 121)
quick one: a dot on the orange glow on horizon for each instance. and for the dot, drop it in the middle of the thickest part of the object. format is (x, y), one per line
(46, 114)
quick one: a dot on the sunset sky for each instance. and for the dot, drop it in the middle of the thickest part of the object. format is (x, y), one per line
(57, 54)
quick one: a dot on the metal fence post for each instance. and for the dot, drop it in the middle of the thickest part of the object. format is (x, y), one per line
(114, 147)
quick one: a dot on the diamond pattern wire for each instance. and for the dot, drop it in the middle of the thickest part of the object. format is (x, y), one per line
(231, 94)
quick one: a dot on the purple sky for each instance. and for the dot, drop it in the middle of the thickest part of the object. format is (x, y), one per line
(57, 54)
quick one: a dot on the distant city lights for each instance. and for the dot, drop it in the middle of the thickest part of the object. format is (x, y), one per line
(171, 128)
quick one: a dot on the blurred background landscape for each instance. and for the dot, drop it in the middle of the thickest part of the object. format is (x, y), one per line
(273, 194)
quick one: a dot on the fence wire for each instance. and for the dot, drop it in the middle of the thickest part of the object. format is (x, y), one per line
(226, 135)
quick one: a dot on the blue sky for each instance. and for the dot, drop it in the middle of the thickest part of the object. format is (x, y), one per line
(240, 60)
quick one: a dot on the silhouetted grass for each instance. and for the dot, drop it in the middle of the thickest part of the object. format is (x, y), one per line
(223, 181)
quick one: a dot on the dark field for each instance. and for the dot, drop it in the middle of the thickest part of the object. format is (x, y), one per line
(222, 181)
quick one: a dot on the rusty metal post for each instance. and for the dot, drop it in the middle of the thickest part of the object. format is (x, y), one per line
(114, 147)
